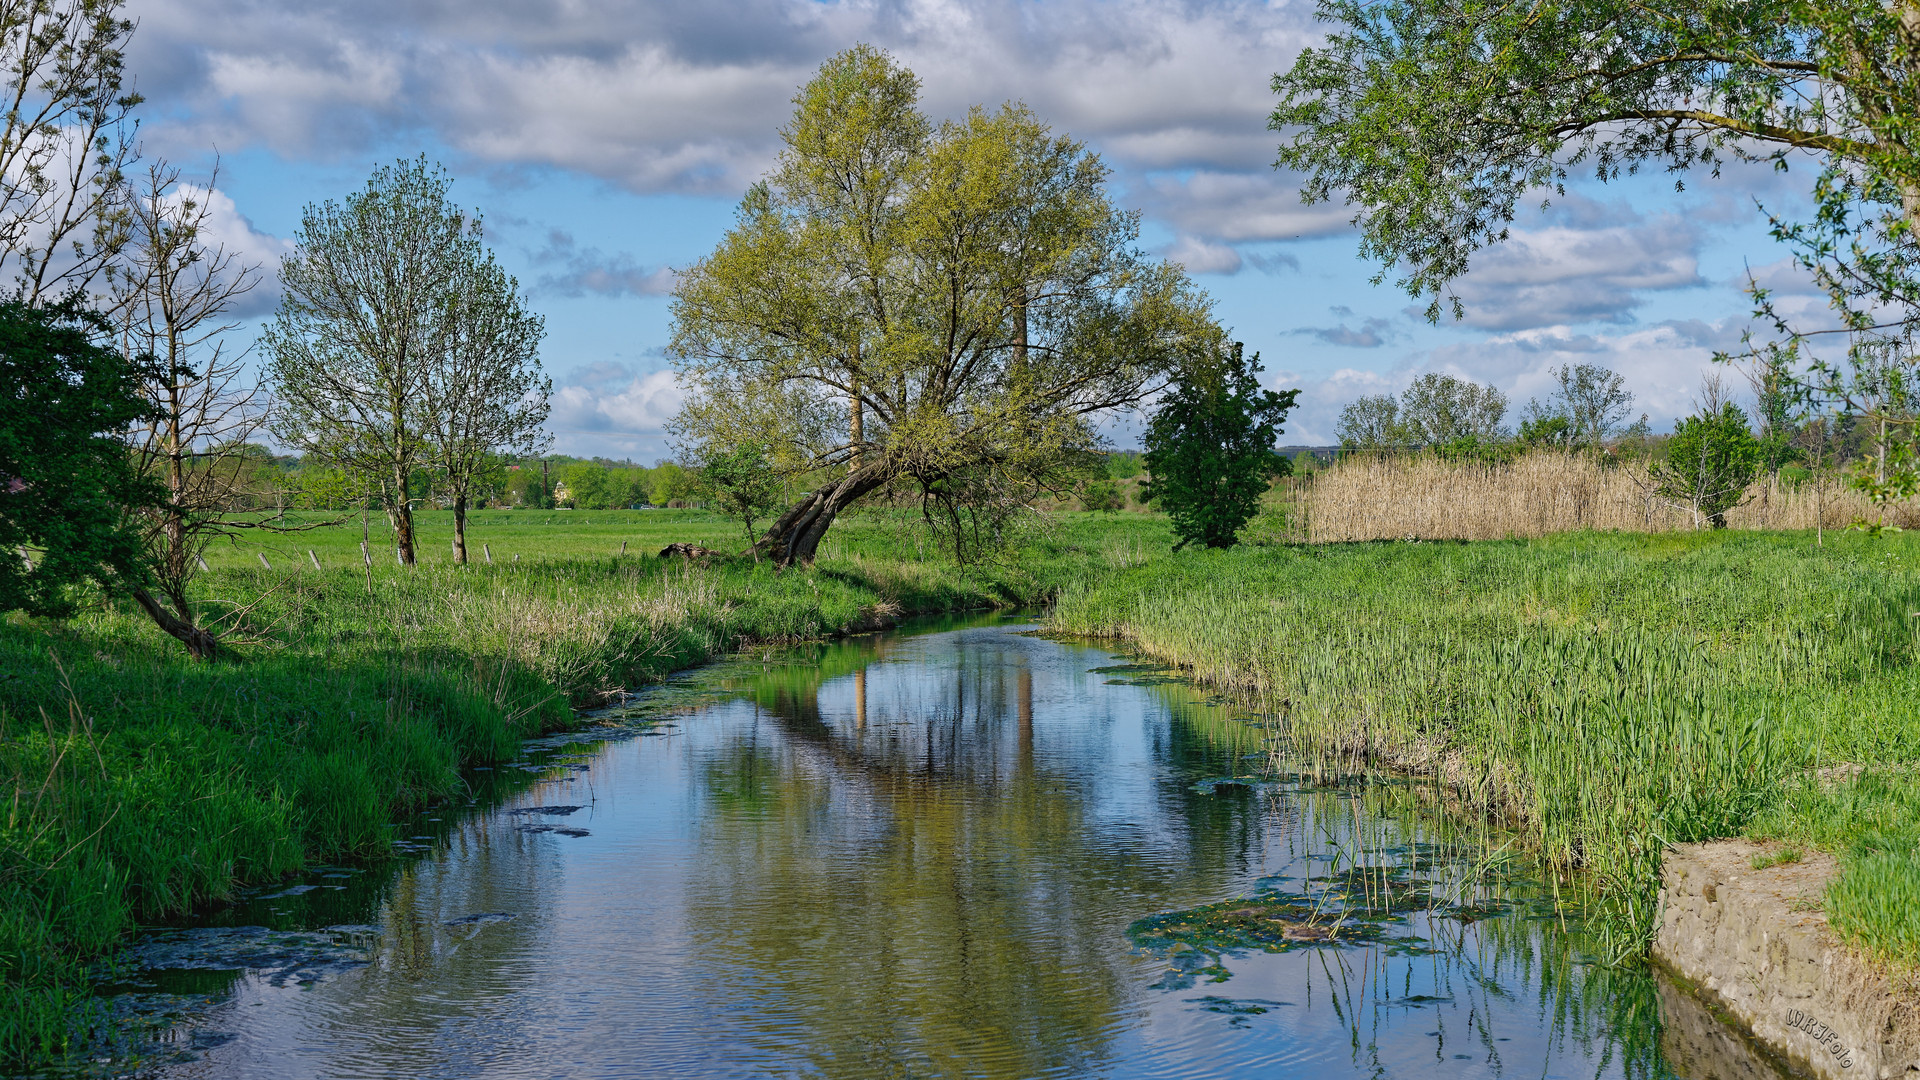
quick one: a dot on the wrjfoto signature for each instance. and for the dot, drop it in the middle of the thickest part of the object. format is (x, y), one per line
(1823, 1035)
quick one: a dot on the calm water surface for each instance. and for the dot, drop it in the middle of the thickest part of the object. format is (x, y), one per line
(911, 855)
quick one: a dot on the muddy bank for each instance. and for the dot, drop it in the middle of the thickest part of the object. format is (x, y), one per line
(1753, 946)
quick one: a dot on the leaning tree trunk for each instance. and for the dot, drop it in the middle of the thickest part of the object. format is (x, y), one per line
(200, 644)
(795, 536)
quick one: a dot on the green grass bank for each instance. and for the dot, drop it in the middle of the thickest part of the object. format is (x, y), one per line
(144, 785)
(1608, 693)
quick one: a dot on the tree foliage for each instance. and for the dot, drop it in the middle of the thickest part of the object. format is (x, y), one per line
(741, 483)
(1437, 410)
(1440, 409)
(66, 136)
(484, 393)
(1589, 405)
(1711, 459)
(1862, 368)
(1436, 117)
(1370, 423)
(938, 310)
(68, 488)
(399, 342)
(1210, 448)
(1101, 495)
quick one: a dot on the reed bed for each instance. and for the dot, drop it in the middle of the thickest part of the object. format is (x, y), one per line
(1608, 694)
(1393, 497)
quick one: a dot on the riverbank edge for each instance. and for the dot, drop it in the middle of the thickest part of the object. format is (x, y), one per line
(46, 1020)
(1718, 959)
(1753, 945)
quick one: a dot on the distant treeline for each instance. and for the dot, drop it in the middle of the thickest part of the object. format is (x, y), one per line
(266, 481)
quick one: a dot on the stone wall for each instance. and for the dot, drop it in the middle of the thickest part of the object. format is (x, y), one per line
(1753, 945)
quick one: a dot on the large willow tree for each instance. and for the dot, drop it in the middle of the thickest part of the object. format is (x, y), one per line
(1435, 117)
(941, 309)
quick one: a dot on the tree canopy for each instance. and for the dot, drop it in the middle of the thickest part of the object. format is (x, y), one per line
(1210, 448)
(1711, 459)
(1436, 410)
(68, 487)
(1436, 117)
(401, 342)
(740, 483)
(1589, 405)
(937, 309)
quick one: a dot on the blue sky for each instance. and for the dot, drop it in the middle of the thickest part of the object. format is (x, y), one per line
(606, 143)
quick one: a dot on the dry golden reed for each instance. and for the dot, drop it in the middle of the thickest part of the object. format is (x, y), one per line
(1398, 496)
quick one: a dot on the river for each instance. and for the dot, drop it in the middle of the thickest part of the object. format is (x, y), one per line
(959, 849)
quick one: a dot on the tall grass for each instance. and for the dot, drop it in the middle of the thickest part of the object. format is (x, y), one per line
(140, 785)
(1872, 820)
(1610, 694)
(1375, 497)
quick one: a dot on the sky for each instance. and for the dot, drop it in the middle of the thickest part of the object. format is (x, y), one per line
(607, 142)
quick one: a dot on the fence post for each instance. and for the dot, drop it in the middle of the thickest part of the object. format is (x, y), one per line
(488, 548)
(263, 559)
(314, 559)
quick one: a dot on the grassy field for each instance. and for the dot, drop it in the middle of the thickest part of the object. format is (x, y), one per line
(542, 535)
(1612, 693)
(144, 785)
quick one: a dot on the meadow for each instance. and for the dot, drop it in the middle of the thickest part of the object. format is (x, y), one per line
(1607, 693)
(145, 785)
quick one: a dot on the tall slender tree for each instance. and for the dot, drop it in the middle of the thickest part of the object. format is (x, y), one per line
(369, 297)
(485, 395)
(174, 296)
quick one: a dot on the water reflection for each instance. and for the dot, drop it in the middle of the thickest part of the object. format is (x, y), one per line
(919, 855)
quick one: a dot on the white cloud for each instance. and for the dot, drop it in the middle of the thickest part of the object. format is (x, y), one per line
(1238, 207)
(227, 227)
(1372, 334)
(685, 95)
(1561, 274)
(1201, 257)
(608, 404)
